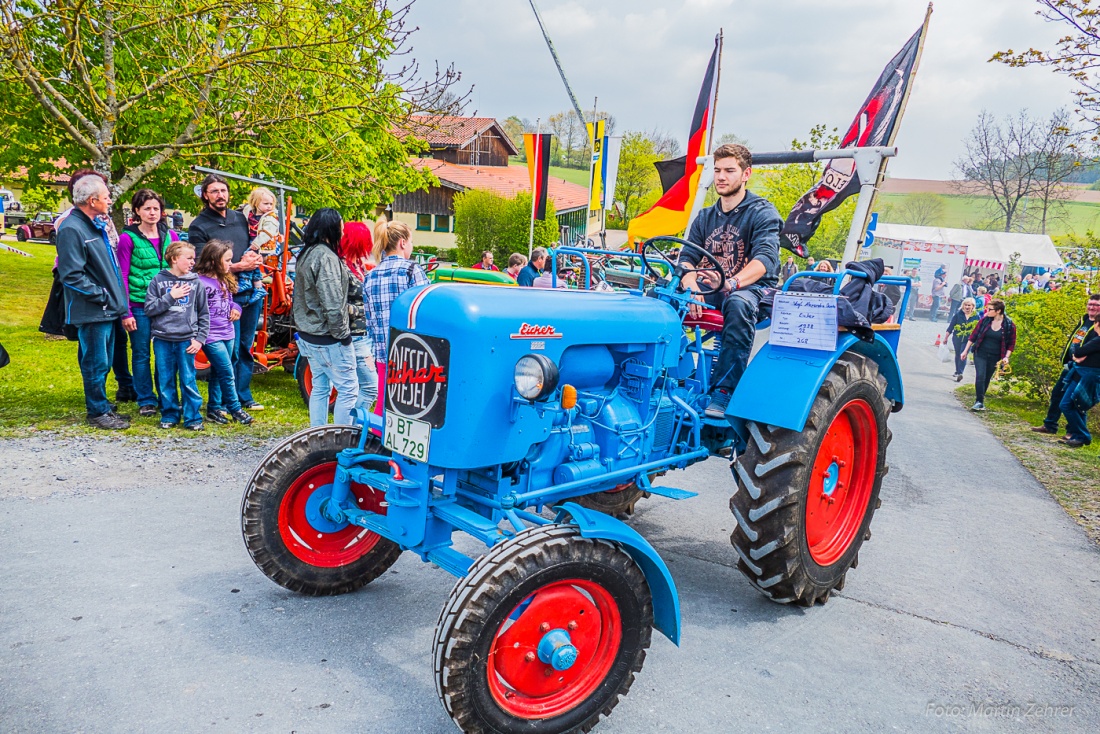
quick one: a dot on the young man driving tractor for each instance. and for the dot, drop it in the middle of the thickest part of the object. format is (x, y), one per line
(741, 231)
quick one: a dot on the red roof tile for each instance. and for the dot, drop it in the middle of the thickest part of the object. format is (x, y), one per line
(504, 180)
(454, 132)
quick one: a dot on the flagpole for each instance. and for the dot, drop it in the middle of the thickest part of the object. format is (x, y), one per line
(538, 157)
(706, 175)
(717, 86)
(591, 155)
(897, 126)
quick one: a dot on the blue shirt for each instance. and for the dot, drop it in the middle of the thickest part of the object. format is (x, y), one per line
(393, 276)
(527, 275)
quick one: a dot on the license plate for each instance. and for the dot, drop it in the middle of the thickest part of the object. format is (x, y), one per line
(407, 436)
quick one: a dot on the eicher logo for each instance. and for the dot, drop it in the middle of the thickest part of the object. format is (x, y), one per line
(417, 371)
(535, 331)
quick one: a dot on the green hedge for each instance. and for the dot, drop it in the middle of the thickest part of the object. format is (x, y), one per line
(1043, 323)
(487, 221)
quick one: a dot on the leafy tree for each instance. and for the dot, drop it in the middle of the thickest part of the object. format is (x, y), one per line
(487, 221)
(785, 185)
(1083, 253)
(309, 91)
(40, 199)
(637, 175)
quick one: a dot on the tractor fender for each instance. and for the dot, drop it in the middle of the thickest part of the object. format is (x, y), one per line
(666, 602)
(781, 383)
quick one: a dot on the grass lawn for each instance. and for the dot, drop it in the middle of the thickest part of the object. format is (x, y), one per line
(1070, 475)
(972, 212)
(572, 175)
(41, 388)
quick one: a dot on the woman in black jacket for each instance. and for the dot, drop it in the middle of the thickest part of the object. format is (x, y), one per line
(993, 341)
(961, 325)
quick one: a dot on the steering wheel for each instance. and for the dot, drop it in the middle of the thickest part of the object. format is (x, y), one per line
(717, 268)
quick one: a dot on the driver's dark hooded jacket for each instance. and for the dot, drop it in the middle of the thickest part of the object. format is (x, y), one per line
(750, 231)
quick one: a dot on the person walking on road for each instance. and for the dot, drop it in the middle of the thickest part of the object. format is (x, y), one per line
(1054, 410)
(993, 341)
(320, 311)
(218, 221)
(939, 290)
(960, 327)
(95, 296)
(1082, 389)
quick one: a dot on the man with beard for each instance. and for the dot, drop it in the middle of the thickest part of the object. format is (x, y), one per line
(741, 231)
(218, 222)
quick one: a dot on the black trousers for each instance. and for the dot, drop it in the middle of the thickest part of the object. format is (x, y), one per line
(985, 367)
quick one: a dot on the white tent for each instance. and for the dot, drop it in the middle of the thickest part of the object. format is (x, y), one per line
(1036, 250)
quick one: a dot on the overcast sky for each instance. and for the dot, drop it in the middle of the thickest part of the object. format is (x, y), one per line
(787, 64)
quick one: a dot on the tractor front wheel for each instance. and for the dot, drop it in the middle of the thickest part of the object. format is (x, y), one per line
(284, 530)
(544, 634)
(804, 501)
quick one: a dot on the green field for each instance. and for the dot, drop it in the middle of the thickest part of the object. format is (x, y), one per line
(973, 212)
(41, 388)
(572, 175)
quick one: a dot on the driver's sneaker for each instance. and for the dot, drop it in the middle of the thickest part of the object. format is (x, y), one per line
(719, 400)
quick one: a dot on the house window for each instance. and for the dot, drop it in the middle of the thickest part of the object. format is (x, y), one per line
(424, 222)
(442, 223)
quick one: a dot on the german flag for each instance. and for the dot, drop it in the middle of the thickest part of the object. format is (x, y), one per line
(537, 147)
(669, 215)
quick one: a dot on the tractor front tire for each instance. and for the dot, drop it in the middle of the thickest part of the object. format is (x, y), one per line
(803, 503)
(489, 669)
(285, 535)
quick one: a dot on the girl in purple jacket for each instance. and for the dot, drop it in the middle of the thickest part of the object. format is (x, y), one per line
(220, 350)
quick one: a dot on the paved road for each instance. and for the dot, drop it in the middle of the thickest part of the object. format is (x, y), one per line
(136, 608)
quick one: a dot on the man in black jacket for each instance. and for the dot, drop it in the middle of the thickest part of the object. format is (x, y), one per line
(218, 222)
(95, 298)
(741, 231)
(1054, 412)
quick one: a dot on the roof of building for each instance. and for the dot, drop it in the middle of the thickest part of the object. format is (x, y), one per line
(456, 132)
(504, 180)
(1035, 249)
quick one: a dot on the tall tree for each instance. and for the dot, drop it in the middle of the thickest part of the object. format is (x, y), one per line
(637, 175)
(310, 91)
(1021, 157)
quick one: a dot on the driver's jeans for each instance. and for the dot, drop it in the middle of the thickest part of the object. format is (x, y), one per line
(739, 312)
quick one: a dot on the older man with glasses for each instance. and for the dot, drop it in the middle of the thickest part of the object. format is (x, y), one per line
(95, 298)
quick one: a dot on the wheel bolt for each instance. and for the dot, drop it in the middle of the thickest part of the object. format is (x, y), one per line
(842, 464)
(509, 694)
(571, 625)
(529, 657)
(544, 627)
(548, 672)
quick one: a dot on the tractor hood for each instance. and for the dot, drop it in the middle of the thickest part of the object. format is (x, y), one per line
(454, 348)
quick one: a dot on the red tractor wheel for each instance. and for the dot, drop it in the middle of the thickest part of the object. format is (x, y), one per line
(544, 634)
(287, 535)
(804, 501)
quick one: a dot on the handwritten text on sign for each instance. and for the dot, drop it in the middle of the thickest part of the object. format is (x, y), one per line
(804, 320)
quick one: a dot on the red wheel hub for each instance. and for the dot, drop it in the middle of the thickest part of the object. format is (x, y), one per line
(842, 478)
(329, 546)
(528, 688)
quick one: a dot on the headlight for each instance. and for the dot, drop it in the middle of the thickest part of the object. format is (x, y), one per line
(536, 376)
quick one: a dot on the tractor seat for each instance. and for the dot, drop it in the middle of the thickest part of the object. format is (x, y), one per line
(709, 320)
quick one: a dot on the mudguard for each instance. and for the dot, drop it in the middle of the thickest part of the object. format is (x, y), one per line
(666, 602)
(781, 383)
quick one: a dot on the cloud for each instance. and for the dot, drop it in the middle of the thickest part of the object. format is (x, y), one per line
(786, 66)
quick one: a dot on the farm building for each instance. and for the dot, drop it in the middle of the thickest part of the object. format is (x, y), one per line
(472, 153)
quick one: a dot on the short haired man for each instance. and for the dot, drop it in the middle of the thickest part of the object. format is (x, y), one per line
(120, 361)
(534, 268)
(789, 269)
(741, 231)
(486, 262)
(1054, 412)
(95, 298)
(217, 221)
(516, 261)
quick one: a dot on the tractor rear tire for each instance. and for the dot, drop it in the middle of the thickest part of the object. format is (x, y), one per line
(275, 518)
(545, 578)
(804, 501)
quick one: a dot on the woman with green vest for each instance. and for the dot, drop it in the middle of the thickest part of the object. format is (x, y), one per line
(141, 249)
